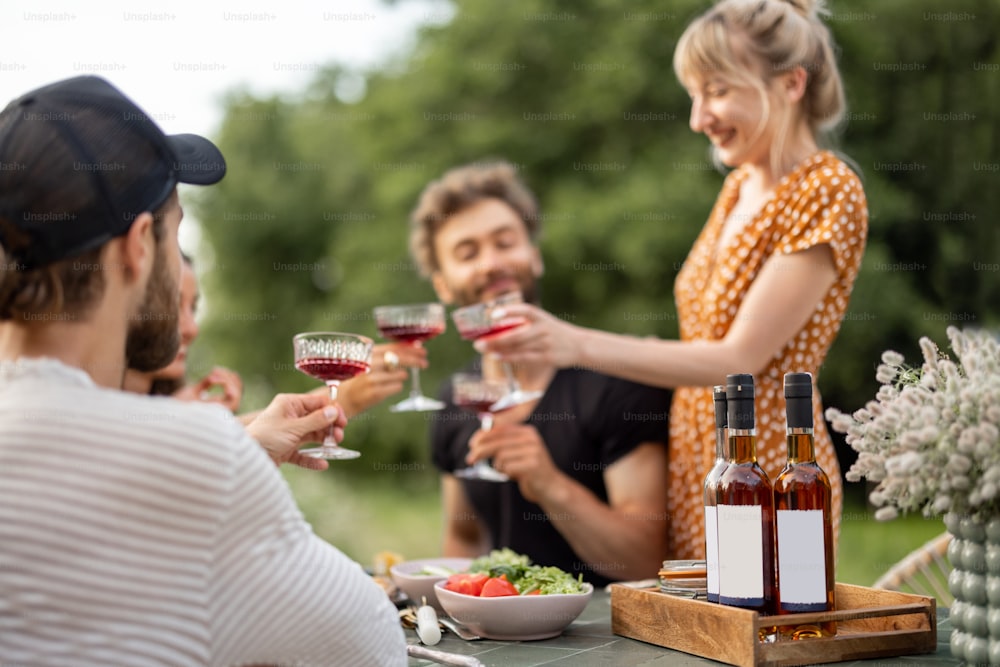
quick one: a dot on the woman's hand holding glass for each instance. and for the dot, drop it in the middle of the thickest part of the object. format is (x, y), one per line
(221, 386)
(540, 338)
(387, 377)
(483, 321)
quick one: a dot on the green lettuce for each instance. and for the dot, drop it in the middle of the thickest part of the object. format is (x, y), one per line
(525, 576)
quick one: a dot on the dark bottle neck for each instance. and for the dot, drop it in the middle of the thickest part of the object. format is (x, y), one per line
(721, 421)
(799, 412)
(741, 415)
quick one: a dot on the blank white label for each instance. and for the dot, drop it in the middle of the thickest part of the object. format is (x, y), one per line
(712, 549)
(741, 552)
(801, 557)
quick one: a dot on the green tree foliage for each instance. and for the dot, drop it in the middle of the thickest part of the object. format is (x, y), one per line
(309, 229)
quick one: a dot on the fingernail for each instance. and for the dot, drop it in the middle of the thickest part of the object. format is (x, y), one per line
(479, 346)
(331, 412)
(499, 313)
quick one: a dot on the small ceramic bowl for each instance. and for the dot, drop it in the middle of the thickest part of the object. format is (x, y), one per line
(514, 617)
(419, 586)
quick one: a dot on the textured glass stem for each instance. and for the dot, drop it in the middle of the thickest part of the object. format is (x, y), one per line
(486, 420)
(329, 440)
(512, 382)
(415, 390)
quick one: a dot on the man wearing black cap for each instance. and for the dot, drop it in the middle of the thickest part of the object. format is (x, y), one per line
(134, 529)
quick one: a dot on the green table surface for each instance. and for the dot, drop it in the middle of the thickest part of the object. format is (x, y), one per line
(589, 642)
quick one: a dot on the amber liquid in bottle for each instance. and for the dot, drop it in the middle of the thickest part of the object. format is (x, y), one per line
(711, 495)
(745, 511)
(802, 499)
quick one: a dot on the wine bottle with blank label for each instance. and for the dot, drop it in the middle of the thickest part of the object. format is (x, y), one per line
(802, 503)
(711, 495)
(745, 509)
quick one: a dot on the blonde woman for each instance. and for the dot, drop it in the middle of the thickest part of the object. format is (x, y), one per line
(766, 285)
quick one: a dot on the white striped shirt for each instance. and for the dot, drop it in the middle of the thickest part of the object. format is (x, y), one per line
(137, 530)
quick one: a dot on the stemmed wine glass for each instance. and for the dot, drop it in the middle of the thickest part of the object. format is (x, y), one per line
(473, 392)
(481, 320)
(412, 324)
(332, 357)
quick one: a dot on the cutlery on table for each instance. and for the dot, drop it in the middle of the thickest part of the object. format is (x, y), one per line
(408, 616)
(442, 658)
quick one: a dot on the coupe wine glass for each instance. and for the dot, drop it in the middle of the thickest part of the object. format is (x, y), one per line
(483, 319)
(332, 357)
(412, 324)
(473, 392)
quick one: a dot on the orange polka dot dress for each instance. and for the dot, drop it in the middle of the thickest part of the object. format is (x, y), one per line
(820, 202)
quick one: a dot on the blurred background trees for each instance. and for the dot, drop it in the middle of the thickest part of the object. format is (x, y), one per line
(309, 229)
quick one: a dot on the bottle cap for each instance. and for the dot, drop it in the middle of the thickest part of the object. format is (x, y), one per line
(798, 400)
(739, 385)
(739, 401)
(798, 385)
(719, 395)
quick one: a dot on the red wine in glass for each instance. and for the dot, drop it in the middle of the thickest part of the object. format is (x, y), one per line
(479, 406)
(410, 333)
(331, 369)
(474, 393)
(485, 319)
(332, 357)
(412, 324)
(475, 333)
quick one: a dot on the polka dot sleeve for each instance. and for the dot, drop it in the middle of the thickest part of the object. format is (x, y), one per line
(830, 208)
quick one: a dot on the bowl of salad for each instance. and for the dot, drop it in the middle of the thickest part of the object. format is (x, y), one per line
(416, 578)
(505, 596)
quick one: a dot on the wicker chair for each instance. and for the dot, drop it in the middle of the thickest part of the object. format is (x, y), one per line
(923, 571)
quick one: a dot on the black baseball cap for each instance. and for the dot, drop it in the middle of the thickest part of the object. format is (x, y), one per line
(79, 161)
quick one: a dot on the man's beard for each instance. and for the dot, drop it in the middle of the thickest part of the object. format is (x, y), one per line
(154, 336)
(524, 276)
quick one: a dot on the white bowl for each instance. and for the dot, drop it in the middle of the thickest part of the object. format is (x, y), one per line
(419, 586)
(515, 617)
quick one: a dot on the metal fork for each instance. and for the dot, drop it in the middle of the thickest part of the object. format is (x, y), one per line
(460, 630)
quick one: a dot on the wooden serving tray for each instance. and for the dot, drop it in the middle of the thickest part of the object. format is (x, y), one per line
(871, 623)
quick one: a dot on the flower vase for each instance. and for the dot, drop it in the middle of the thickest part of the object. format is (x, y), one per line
(974, 554)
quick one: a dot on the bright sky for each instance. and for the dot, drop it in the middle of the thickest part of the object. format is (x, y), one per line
(177, 59)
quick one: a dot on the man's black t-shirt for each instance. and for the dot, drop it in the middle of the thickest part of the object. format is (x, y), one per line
(588, 421)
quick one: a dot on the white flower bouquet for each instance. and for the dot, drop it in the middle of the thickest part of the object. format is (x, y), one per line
(931, 437)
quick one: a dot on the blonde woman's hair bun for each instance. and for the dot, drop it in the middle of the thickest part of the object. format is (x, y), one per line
(811, 9)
